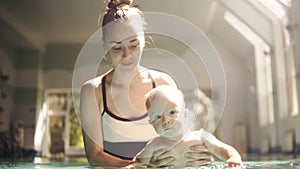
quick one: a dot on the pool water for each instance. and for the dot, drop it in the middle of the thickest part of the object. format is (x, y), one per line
(81, 164)
(26, 165)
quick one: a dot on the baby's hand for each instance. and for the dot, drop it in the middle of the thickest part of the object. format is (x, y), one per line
(234, 161)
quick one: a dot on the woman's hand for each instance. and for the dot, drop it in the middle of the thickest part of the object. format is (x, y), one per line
(198, 156)
(186, 153)
(159, 160)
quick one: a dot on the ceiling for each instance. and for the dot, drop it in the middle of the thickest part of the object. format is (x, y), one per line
(35, 23)
(49, 21)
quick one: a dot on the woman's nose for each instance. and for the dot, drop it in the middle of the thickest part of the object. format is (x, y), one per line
(126, 52)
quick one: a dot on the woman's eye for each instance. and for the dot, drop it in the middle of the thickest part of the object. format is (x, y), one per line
(116, 49)
(134, 46)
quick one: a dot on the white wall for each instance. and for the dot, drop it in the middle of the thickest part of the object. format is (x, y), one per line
(236, 103)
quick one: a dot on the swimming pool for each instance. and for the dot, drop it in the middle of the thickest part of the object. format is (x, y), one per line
(80, 163)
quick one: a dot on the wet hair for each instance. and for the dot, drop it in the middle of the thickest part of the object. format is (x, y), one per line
(121, 10)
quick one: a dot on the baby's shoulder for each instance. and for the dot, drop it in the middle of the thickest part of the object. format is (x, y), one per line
(193, 135)
(199, 135)
(159, 143)
(160, 140)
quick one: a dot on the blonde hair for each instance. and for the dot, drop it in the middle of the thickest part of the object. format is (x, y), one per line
(166, 93)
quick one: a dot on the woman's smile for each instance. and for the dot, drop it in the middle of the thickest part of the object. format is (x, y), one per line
(127, 63)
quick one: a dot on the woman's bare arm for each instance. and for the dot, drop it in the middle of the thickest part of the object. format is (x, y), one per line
(91, 122)
(97, 157)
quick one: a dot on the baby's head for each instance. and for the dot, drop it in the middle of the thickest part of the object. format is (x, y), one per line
(164, 105)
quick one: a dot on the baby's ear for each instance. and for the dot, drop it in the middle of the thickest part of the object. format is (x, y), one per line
(147, 103)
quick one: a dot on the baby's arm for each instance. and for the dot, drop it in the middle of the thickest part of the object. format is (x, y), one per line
(221, 150)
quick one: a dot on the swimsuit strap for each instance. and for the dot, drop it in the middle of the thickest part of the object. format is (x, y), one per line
(103, 81)
(153, 81)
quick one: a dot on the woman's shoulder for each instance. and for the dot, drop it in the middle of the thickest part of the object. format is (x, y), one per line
(92, 86)
(92, 83)
(95, 82)
(162, 78)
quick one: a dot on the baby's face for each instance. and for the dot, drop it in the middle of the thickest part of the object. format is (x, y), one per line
(163, 115)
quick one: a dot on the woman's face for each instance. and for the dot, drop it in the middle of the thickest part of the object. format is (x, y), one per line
(124, 43)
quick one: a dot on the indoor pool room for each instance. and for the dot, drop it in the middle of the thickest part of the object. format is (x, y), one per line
(207, 84)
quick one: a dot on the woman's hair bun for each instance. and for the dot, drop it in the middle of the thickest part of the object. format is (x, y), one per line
(115, 3)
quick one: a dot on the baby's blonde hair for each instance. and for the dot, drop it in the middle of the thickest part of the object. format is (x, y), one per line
(165, 93)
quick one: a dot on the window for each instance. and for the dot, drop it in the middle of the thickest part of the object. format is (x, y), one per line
(280, 9)
(293, 108)
(64, 128)
(263, 72)
(275, 7)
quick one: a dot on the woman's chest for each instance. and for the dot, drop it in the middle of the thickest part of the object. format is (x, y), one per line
(128, 102)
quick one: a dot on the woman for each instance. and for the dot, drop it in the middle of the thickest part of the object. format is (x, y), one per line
(119, 95)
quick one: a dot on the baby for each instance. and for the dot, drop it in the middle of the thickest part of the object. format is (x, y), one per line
(166, 109)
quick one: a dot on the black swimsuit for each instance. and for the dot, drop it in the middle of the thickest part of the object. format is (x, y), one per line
(123, 137)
